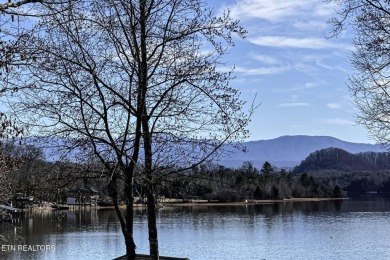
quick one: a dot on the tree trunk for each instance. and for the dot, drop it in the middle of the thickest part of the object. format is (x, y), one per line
(130, 245)
(151, 203)
(152, 225)
(127, 221)
(143, 87)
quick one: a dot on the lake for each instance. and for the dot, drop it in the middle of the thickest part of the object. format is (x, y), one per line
(358, 228)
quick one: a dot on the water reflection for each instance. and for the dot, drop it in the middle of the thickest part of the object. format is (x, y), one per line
(304, 230)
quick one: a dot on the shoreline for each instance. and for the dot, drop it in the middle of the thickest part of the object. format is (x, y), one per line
(250, 202)
(195, 204)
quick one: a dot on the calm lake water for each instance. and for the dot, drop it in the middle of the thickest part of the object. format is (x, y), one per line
(358, 228)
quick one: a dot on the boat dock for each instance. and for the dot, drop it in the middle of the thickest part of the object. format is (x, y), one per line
(10, 209)
(10, 215)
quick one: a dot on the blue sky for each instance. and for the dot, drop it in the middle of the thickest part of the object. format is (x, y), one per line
(299, 75)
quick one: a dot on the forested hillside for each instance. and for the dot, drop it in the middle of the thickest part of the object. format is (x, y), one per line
(341, 160)
(354, 173)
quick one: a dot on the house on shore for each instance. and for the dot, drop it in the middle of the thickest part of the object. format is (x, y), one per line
(82, 196)
(21, 201)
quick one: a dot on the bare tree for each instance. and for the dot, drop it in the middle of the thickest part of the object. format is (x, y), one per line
(17, 20)
(140, 83)
(370, 84)
(7, 165)
(8, 130)
(15, 25)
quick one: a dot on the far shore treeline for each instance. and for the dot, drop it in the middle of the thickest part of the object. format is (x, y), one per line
(330, 172)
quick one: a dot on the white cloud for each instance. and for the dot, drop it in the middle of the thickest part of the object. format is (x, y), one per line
(289, 42)
(337, 121)
(294, 104)
(330, 67)
(278, 10)
(325, 9)
(306, 68)
(308, 85)
(266, 59)
(261, 70)
(310, 25)
(334, 105)
(314, 84)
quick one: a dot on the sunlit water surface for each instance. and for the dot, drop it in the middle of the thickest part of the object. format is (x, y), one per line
(353, 229)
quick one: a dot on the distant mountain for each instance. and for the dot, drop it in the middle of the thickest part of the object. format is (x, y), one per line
(285, 151)
(289, 151)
